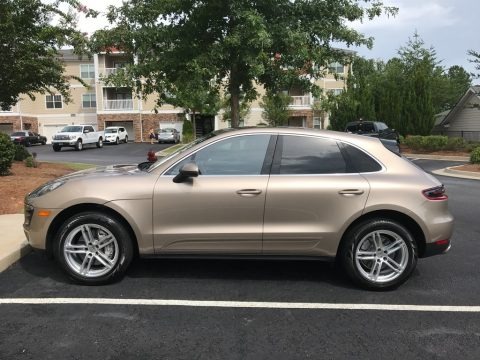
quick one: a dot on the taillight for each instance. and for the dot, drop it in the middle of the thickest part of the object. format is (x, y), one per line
(436, 193)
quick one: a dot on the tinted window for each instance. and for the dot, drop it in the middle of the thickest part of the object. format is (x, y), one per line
(358, 161)
(240, 155)
(309, 155)
(381, 126)
(89, 128)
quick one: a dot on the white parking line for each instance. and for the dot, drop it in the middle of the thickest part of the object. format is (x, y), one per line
(237, 304)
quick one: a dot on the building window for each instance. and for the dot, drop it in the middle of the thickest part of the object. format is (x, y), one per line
(336, 92)
(316, 123)
(87, 71)
(336, 68)
(53, 101)
(89, 101)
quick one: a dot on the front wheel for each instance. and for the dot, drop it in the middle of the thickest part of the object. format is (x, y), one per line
(379, 254)
(100, 143)
(79, 145)
(57, 148)
(117, 141)
(126, 139)
(93, 248)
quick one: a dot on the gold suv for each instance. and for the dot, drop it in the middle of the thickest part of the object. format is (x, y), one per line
(258, 192)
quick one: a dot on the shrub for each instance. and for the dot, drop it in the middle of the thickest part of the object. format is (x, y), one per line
(455, 143)
(29, 162)
(434, 142)
(187, 131)
(7, 153)
(475, 156)
(21, 153)
(414, 142)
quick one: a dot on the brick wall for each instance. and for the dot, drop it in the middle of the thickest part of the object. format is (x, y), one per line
(308, 114)
(29, 123)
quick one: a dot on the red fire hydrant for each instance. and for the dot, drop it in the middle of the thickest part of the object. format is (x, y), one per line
(151, 157)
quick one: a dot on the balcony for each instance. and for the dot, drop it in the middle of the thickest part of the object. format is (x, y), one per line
(118, 105)
(110, 71)
(304, 100)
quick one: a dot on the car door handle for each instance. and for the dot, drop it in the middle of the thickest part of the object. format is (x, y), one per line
(351, 192)
(249, 192)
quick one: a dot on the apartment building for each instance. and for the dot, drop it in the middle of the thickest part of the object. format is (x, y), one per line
(102, 105)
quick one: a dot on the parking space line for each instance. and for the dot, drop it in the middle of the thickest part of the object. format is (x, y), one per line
(237, 304)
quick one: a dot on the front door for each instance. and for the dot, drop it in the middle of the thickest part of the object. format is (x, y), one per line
(221, 210)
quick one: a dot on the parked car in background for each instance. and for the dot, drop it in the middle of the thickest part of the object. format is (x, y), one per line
(168, 135)
(258, 192)
(389, 137)
(27, 138)
(116, 135)
(77, 136)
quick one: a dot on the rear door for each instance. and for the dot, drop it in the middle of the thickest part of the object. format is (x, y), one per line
(312, 195)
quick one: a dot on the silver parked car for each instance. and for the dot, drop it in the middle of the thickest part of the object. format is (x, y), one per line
(277, 193)
(168, 135)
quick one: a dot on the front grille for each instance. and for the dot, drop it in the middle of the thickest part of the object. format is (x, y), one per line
(61, 137)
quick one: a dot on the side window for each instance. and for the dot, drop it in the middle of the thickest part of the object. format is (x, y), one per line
(358, 161)
(89, 128)
(240, 155)
(308, 155)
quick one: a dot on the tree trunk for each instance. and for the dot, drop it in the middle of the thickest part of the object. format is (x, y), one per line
(194, 125)
(234, 89)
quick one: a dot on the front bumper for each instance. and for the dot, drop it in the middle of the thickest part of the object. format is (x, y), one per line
(64, 142)
(36, 227)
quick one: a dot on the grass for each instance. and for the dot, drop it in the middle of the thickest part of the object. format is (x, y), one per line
(78, 166)
(170, 150)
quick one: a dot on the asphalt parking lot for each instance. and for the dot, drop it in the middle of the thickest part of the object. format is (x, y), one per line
(184, 309)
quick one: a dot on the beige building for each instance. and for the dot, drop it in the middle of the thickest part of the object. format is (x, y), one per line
(102, 105)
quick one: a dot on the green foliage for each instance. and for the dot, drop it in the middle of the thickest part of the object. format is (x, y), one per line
(475, 156)
(275, 108)
(21, 153)
(30, 162)
(7, 153)
(187, 132)
(234, 44)
(475, 60)
(30, 43)
(434, 143)
(244, 108)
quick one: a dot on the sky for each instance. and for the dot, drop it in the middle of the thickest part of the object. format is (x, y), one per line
(449, 26)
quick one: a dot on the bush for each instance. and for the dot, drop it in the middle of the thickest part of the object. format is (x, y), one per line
(30, 162)
(455, 143)
(434, 142)
(475, 156)
(187, 131)
(7, 153)
(21, 153)
(414, 142)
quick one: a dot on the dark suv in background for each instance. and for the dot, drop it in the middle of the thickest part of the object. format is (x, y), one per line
(27, 138)
(389, 137)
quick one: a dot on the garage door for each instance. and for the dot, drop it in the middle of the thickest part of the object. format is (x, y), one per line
(50, 130)
(6, 128)
(128, 125)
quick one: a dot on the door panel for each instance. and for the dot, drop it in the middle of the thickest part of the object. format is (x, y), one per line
(208, 215)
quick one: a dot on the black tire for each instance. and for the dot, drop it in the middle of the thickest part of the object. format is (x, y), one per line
(43, 142)
(375, 272)
(126, 139)
(79, 145)
(27, 144)
(119, 253)
(117, 141)
(57, 148)
(99, 143)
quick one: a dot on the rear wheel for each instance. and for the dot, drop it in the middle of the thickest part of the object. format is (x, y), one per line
(100, 143)
(27, 143)
(379, 254)
(93, 248)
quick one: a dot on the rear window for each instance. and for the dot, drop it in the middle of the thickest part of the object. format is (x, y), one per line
(358, 161)
(18, 133)
(168, 130)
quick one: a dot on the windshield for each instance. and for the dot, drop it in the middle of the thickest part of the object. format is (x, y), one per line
(72, 129)
(110, 131)
(181, 149)
(167, 130)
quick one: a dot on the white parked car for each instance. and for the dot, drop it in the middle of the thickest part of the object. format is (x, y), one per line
(116, 135)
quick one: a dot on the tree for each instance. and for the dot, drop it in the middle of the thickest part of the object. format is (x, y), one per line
(475, 60)
(31, 33)
(275, 108)
(235, 43)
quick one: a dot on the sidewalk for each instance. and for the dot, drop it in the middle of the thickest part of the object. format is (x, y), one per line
(13, 244)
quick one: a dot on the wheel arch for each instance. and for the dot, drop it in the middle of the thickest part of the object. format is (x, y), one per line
(69, 212)
(400, 217)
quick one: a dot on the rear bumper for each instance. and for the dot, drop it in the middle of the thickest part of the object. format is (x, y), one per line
(437, 248)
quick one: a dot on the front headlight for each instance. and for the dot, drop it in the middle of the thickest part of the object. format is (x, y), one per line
(73, 137)
(46, 188)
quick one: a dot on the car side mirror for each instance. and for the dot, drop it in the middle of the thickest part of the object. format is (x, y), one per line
(86, 131)
(187, 171)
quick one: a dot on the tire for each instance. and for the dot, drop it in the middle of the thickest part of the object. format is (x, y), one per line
(79, 145)
(57, 148)
(99, 143)
(43, 142)
(27, 144)
(93, 248)
(379, 254)
(117, 141)
(126, 139)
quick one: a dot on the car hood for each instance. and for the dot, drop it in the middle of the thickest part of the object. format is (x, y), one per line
(104, 171)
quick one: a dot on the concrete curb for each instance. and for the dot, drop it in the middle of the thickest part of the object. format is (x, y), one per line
(13, 244)
(450, 171)
(437, 157)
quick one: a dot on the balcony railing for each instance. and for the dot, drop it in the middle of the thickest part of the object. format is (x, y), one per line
(125, 104)
(110, 71)
(303, 100)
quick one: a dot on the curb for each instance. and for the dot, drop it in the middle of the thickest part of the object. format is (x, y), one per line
(450, 171)
(437, 157)
(16, 246)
